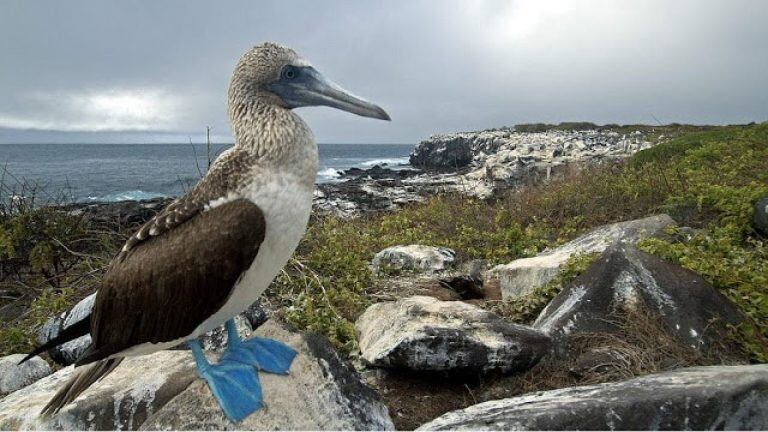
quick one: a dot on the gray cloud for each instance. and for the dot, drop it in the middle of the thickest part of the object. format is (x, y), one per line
(163, 67)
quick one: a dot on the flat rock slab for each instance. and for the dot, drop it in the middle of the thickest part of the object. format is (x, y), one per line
(419, 258)
(120, 401)
(423, 333)
(162, 391)
(624, 278)
(321, 393)
(702, 398)
(522, 276)
(14, 376)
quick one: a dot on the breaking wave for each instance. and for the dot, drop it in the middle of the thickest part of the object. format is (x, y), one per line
(133, 195)
(386, 161)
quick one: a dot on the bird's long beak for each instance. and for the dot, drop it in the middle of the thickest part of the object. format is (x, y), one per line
(311, 88)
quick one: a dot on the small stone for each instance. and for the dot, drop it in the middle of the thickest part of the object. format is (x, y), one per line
(419, 258)
(14, 376)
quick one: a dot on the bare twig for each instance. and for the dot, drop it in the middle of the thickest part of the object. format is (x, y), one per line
(208, 146)
(197, 162)
(77, 254)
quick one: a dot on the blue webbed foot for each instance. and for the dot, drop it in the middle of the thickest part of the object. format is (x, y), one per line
(267, 355)
(234, 385)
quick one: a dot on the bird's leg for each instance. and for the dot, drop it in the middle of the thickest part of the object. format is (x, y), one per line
(233, 338)
(234, 385)
(266, 355)
(200, 360)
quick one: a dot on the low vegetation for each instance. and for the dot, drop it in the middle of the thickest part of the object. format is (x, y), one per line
(707, 180)
(50, 257)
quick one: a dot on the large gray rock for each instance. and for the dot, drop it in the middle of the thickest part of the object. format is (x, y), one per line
(761, 216)
(702, 398)
(14, 376)
(162, 391)
(321, 393)
(120, 401)
(67, 353)
(420, 258)
(522, 276)
(423, 333)
(624, 279)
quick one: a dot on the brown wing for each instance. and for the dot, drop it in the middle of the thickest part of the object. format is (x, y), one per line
(164, 286)
(176, 213)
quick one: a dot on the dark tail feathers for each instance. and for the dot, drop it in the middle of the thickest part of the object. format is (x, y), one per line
(80, 328)
(78, 383)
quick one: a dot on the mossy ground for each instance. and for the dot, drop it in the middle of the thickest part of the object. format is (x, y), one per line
(706, 180)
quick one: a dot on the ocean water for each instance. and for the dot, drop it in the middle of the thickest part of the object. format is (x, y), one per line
(116, 172)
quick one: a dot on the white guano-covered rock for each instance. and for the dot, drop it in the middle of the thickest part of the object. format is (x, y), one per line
(625, 279)
(162, 391)
(702, 398)
(14, 376)
(120, 401)
(320, 393)
(423, 333)
(418, 258)
(521, 276)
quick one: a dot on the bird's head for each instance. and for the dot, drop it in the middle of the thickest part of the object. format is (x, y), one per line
(277, 75)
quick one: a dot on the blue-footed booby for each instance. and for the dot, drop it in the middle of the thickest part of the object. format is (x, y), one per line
(212, 252)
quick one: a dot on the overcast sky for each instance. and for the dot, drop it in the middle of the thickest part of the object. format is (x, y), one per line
(146, 71)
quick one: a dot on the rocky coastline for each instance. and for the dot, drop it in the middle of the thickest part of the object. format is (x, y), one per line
(476, 164)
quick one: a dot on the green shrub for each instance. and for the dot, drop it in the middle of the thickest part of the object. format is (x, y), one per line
(19, 336)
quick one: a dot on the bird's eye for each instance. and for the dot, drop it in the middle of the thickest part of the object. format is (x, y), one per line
(289, 73)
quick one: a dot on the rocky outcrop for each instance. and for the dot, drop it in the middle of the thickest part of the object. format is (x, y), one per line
(417, 258)
(321, 393)
(702, 398)
(161, 391)
(425, 334)
(452, 151)
(14, 376)
(761, 216)
(475, 164)
(504, 147)
(625, 279)
(522, 276)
